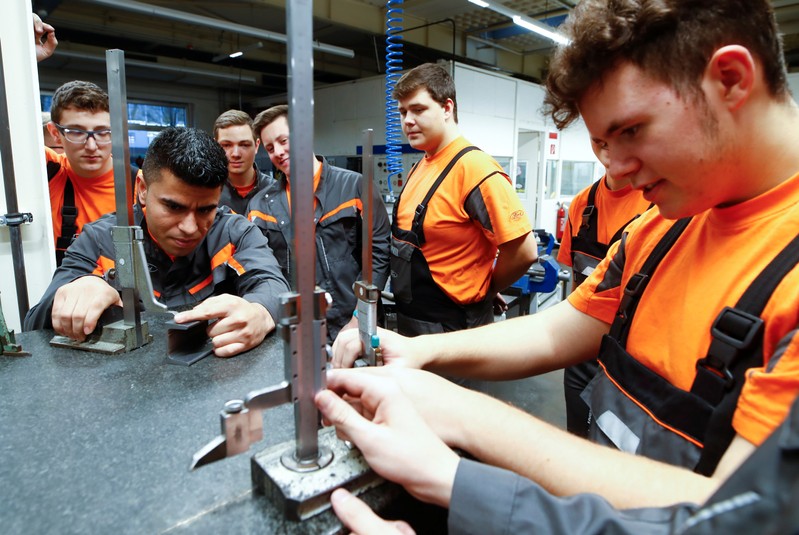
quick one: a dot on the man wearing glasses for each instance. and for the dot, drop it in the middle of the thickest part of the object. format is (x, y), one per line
(81, 180)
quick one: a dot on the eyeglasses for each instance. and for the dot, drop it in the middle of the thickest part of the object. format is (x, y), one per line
(78, 135)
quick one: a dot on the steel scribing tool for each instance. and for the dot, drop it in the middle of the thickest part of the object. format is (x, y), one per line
(302, 473)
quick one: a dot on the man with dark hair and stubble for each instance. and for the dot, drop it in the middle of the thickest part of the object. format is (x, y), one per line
(234, 132)
(203, 260)
(694, 321)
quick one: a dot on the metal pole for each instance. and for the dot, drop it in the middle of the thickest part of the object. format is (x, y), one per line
(367, 197)
(118, 104)
(124, 233)
(9, 181)
(308, 377)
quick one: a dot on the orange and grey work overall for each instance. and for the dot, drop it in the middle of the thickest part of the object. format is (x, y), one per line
(422, 306)
(586, 253)
(640, 412)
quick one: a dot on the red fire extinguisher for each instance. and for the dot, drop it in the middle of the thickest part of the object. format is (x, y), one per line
(561, 222)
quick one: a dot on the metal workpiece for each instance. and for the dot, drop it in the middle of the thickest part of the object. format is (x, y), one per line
(303, 494)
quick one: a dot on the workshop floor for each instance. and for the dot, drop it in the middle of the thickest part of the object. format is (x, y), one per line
(541, 396)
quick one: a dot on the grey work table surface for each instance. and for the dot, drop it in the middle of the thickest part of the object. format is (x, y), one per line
(99, 444)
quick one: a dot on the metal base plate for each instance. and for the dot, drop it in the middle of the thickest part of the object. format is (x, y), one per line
(305, 494)
(116, 337)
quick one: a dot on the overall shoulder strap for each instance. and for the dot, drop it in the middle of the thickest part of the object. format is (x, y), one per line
(588, 222)
(637, 284)
(736, 346)
(421, 209)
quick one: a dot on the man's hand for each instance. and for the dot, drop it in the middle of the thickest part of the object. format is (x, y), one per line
(357, 516)
(239, 326)
(43, 38)
(78, 305)
(347, 348)
(394, 439)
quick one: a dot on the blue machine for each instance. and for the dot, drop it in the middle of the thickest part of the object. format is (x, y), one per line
(542, 277)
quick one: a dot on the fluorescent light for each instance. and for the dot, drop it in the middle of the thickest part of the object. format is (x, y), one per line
(480, 3)
(236, 54)
(540, 29)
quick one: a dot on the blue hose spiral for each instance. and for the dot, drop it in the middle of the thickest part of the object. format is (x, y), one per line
(393, 68)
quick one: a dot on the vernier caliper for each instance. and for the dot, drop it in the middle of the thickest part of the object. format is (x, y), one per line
(303, 473)
(365, 291)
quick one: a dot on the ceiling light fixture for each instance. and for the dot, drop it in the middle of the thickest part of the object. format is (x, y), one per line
(519, 19)
(541, 29)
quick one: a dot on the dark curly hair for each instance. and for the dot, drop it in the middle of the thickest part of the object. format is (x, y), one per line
(670, 40)
(190, 154)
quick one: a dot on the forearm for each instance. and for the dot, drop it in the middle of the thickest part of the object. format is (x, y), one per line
(564, 464)
(515, 348)
(515, 258)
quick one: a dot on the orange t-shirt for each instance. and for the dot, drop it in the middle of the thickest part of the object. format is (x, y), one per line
(459, 250)
(615, 209)
(94, 197)
(720, 253)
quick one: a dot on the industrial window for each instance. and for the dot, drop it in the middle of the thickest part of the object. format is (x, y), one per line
(575, 176)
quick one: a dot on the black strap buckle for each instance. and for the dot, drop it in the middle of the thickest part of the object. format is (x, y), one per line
(736, 328)
(587, 213)
(733, 331)
(69, 216)
(635, 286)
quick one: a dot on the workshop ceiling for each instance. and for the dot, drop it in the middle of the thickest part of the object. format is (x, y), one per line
(193, 53)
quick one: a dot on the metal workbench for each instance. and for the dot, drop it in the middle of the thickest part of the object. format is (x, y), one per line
(92, 443)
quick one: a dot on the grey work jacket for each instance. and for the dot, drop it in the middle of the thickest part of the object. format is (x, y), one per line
(338, 236)
(233, 258)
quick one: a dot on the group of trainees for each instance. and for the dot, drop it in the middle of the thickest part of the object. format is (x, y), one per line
(448, 261)
(691, 319)
(692, 313)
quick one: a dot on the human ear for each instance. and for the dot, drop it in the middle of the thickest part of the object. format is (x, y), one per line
(54, 131)
(731, 75)
(141, 188)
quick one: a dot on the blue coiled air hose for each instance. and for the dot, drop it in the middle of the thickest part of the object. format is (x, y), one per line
(393, 68)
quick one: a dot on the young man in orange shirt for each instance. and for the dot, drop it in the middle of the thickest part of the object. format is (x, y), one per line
(445, 270)
(233, 131)
(81, 180)
(694, 321)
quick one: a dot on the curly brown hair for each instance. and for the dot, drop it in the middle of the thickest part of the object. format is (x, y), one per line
(670, 40)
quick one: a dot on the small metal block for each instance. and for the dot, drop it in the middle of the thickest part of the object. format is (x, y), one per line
(305, 494)
(116, 337)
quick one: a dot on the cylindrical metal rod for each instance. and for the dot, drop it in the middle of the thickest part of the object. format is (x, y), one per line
(10, 184)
